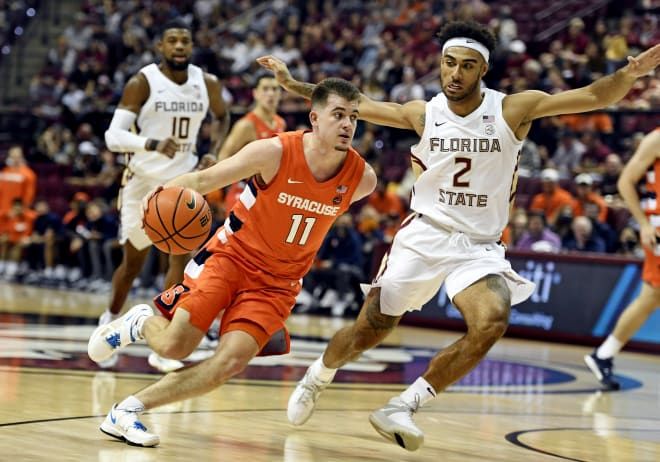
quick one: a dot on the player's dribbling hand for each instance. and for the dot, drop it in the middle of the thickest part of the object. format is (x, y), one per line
(168, 146)
(145, 202)
(276, 66)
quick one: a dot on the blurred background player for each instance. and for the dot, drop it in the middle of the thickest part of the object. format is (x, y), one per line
(645, 161)
(168, 102)
(261, 122)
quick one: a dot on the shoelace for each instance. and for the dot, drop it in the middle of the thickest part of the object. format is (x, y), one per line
(310, 391)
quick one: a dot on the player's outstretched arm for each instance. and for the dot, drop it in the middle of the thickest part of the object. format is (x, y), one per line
(381, 113)
(598, 95)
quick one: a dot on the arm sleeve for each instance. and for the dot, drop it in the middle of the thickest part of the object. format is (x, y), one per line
(118, 136)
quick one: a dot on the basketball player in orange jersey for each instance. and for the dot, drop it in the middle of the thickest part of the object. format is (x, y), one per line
(300, 182)
(261, 122)
(645, 161)
(466, 164)
(168, 102)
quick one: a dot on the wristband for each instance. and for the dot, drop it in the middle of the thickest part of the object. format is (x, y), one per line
(151, 144)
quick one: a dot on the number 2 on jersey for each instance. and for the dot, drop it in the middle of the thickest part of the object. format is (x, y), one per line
(297, 220)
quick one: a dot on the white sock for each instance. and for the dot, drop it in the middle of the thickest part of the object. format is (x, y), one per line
(322, 373)
(420, 390)
(131, 404)
(610, 348)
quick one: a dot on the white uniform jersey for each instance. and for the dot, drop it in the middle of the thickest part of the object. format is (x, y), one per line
(172, 110)
(469, 164)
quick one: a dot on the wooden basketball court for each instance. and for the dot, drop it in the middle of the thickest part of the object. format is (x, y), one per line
(528, 401)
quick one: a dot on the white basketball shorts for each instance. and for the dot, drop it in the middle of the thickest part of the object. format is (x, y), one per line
(130, 206)
(423, 256)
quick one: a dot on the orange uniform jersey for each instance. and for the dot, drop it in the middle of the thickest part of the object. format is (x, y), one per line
(281, 226)
(262, 129)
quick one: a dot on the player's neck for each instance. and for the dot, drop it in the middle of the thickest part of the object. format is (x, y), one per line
(265, 114)
(178, 77)
(466, 106)
(324, 161)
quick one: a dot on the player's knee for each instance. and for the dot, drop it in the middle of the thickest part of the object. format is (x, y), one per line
(491, 326)
(226, 367)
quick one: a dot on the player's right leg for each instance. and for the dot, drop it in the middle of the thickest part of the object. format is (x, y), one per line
(368, 330)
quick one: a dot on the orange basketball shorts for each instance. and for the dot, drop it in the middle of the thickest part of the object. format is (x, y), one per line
(254, 301)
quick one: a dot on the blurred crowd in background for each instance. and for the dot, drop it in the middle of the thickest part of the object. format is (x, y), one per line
(60, 229)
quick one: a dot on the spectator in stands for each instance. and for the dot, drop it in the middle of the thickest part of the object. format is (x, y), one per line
(567, 157)
(15, 230)
(42, 252)
(408, 89)
(583, 238)
(516, 228)
(385, 202)
(616, 46)
(575, 40)
(372, 237)
(629, 243)
(584, 194)
(551, 199)
(602, 229)
(612, 168)
(595, 153)
(340, 267)
(538, 237)
(100, 240)
(17, 181)
(531, 159)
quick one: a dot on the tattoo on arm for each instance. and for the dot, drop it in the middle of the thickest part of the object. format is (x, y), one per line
(302, 89)
(422, 119)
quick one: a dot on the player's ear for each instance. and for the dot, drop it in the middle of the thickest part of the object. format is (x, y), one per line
(313, 118)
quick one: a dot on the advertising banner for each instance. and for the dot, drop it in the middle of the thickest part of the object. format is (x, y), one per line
(576, 296)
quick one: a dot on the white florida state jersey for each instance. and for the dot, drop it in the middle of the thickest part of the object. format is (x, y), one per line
(172, 110)
(469, 164)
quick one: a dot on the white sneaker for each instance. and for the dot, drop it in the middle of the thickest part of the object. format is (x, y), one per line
(394, 422)
(303, 399)
(107, 339)
(107, 317)
(164, 365)
(125, 425)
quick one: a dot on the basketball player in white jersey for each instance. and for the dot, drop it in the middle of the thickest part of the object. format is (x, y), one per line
(466, 161)
(167, 103)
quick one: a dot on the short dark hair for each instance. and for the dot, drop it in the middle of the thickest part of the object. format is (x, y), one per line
(334, 85)
(468, 29)
(260, 78)
(176, 23)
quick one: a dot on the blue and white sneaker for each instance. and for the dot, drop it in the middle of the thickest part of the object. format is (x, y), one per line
(124, 424)
(109, 338)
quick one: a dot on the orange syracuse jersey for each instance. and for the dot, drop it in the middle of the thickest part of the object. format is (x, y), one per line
(279, 227)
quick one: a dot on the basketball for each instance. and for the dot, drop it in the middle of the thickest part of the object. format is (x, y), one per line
(177, 220)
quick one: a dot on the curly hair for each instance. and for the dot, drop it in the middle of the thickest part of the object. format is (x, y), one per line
(469, 29)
